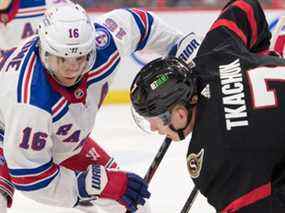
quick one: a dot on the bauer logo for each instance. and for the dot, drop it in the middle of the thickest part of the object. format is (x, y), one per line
(195, 163)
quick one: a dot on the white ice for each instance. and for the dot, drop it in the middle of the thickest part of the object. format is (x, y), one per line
(134, 150)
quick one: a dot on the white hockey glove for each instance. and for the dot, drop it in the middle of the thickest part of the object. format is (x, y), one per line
(127, 188)
(186, 48)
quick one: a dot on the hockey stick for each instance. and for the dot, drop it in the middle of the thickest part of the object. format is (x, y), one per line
(156, 161)
(190, 200)
(280, 24)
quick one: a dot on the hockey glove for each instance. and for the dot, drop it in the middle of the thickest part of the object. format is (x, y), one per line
(186, 48)
(128, 189)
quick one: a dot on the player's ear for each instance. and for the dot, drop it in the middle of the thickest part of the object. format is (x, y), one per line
(180, 112)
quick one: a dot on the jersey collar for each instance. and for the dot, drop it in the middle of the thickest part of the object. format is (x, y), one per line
(73, 95)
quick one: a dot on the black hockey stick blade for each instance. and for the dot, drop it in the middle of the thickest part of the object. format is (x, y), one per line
(188, 204)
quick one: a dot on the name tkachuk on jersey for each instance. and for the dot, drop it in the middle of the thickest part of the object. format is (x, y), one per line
(22, 20)
(240, 127)
(233, 95)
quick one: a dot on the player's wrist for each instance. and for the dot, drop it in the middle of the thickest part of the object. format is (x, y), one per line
(116, 186)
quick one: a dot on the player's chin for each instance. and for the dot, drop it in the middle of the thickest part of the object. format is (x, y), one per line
(68, 81)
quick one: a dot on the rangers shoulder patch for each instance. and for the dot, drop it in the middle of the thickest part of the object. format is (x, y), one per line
(102, 38)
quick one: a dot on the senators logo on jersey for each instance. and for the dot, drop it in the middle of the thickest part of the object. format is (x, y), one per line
(195, 163)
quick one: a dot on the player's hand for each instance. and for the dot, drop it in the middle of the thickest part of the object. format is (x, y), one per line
(127, 188)
(136, 193)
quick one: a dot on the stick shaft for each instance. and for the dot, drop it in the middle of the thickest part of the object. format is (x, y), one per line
(156, 161)
(188, 204)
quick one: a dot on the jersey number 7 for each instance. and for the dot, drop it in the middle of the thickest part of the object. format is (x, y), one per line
(262, 95)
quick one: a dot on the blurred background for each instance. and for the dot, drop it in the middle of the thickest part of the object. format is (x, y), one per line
(165, 4)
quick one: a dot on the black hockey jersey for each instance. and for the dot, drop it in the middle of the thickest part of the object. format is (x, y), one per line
(236, 156)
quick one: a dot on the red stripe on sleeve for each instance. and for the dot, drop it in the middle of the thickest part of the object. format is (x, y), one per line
(142, 14)
(34, 179)
(27, 80)
(249, 198)
(231, 26)
(247, 8)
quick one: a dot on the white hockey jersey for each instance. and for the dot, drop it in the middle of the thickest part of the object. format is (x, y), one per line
(22, 20)
(44, 123)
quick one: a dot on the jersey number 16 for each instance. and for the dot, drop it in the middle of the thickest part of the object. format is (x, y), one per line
(35, 141)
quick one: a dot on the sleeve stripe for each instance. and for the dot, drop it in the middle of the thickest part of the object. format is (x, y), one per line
(33, 179)
(6, 182)
(7, 185)
(26, 73)
(143, 18)
(9, 193)
(231, 26)
(249, 198)
(144, 21)
(38, 185)
(104, 70)
(247, 8)
(104, 67)
(19, 172)
(24, 179)
(28, 80)
(111, 164)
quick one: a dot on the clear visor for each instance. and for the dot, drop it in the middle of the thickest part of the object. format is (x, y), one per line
(67, 71)
(147, 124)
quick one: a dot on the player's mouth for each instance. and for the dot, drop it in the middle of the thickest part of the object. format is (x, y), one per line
(70, 78)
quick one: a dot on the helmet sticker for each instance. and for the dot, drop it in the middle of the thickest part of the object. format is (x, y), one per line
(161, 79)
(73, 33)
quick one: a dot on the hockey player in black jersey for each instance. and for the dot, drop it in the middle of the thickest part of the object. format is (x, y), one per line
(232, 99)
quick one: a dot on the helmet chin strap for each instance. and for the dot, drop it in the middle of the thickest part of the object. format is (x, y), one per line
(180, 131)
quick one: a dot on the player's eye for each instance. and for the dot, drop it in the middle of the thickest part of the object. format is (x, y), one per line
(61, 59)
(80, 58)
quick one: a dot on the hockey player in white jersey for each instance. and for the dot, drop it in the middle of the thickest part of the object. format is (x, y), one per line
(18, 20)
(51, 88)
